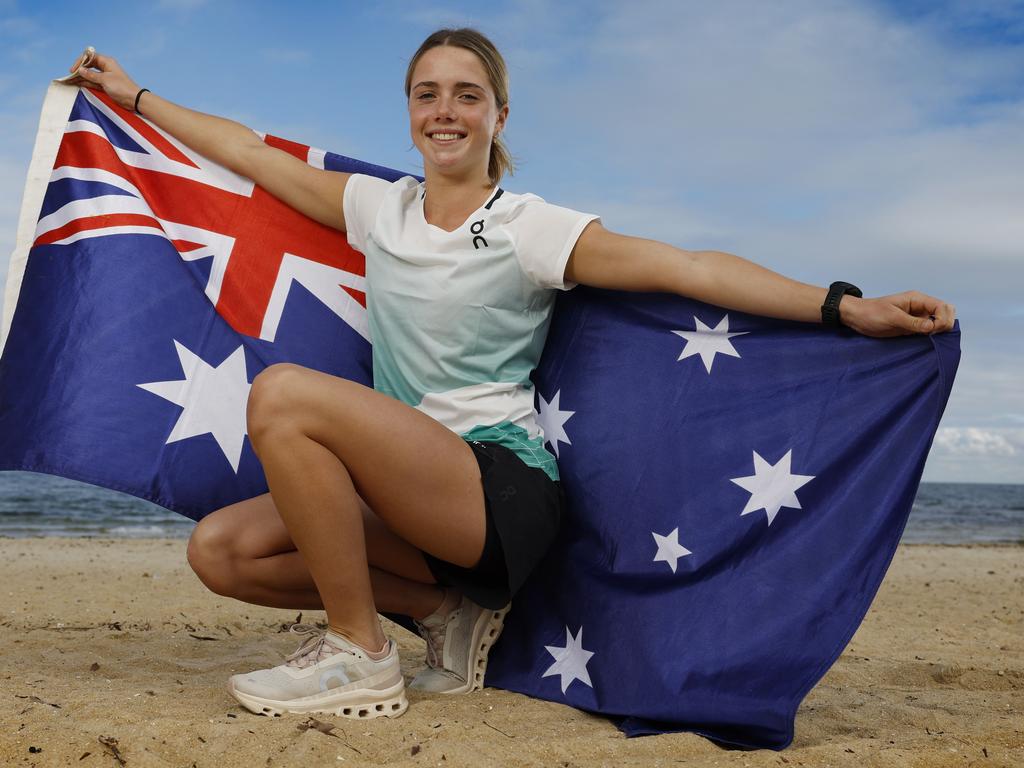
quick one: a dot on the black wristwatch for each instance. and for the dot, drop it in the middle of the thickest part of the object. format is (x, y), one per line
(830, 309)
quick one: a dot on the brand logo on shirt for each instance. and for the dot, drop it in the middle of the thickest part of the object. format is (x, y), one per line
(476, 228)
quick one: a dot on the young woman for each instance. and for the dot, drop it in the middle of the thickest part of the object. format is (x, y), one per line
(431, 494)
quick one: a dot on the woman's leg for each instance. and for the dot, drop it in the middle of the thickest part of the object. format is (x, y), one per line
(324, 442)
(244, 551)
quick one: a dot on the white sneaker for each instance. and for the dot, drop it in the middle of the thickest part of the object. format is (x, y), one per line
(325, 674)
(457, 648)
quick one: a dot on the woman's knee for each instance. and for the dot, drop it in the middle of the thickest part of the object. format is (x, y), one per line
(271, 397)
(212, 554)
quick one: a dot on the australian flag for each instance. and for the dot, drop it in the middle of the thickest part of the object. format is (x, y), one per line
(737, 486)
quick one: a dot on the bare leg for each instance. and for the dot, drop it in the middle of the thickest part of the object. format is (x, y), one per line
(325, 442)
(244, 551)
(391, 593)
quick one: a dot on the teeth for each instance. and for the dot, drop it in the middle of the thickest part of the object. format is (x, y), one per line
(447, 136)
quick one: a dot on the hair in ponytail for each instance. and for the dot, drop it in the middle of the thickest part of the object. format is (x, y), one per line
(500, 161)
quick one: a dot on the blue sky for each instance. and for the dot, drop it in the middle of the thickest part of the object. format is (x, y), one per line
(876, 142)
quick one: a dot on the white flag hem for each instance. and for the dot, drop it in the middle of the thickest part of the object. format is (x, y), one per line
(52, 121)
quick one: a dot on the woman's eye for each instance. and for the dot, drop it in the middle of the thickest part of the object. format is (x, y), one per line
(469, 97)
(425, 95)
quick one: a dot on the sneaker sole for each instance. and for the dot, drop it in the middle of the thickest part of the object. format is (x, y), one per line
(357, 705)
(485, 634)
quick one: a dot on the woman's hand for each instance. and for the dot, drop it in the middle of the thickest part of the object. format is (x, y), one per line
(897, 315)
(103, 73)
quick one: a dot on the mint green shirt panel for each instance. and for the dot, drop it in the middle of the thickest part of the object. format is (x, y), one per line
(448, 320)
(530, 450)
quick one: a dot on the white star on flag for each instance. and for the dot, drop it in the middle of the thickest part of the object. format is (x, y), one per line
(552, 421)
(707, 342)
(669, 549)
(772, 487)
(213, 400)
(570, 661)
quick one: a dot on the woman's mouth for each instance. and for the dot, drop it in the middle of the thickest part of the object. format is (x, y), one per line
(446, 137)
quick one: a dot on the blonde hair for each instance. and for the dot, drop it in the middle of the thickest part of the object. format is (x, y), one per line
(500, 161)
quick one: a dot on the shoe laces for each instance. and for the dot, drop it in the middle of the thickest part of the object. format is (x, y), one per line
(433, 630)
(314, 648)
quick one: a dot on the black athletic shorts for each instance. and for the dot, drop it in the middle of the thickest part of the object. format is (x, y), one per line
(523, 507)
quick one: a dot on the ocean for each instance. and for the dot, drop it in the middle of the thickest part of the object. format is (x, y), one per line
(41, 505)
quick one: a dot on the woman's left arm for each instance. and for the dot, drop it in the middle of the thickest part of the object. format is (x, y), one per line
(604, 259)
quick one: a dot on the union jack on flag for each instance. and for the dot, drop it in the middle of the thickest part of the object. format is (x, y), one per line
(737, 486)
(175, 222)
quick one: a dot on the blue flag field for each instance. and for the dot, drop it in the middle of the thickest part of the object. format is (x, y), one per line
(737, 485)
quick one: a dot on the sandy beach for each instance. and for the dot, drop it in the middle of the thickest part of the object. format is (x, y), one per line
(114, 654)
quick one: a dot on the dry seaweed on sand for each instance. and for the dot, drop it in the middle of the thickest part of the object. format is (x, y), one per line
(318, 725)
(110, 745)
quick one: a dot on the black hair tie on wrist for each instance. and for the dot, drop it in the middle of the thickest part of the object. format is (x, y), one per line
(137, 97)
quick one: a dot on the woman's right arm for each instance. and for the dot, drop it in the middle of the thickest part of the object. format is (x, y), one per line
(312, 191)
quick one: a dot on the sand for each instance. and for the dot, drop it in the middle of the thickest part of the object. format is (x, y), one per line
(113, 650)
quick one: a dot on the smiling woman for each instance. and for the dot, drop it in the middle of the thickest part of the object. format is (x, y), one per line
(455, 117)
(474, 52)
(432, 494)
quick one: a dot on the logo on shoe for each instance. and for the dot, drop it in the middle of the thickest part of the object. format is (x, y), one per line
(337, 676)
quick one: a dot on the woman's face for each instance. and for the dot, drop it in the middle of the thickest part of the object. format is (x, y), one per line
(452, 114)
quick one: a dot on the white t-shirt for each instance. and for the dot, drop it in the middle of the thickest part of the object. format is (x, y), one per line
(458, 319)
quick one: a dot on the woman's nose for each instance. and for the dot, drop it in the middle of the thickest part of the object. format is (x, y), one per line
(444, 109)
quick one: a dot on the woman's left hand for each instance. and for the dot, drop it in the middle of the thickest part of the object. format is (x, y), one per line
(897, 315)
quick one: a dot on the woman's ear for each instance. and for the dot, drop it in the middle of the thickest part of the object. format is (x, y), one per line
(499, 124)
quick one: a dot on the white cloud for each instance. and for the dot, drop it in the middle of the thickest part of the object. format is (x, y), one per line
(952, 194)
(977, 455)
(972, 441)
(656, 219)
(865, 131)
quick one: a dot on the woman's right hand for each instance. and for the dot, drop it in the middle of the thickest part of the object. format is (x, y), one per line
(103, 73)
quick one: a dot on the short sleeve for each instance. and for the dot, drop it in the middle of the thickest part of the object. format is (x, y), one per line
(363, 198)
(543, 236)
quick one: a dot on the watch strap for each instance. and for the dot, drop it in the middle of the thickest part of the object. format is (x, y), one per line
(830, 308)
